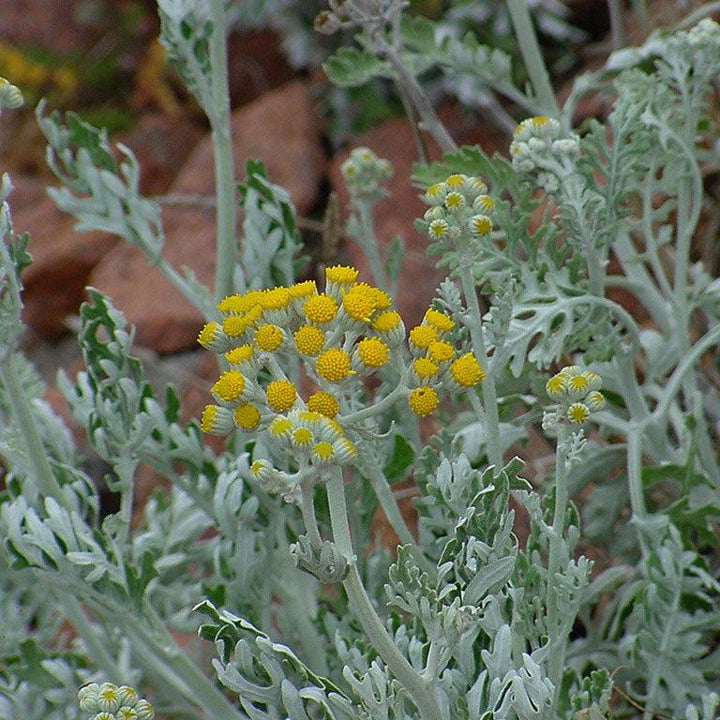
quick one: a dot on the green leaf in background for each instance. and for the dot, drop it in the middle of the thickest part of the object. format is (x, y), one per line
(349, 67)
(401, 459)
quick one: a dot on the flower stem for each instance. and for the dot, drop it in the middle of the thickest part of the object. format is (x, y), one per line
(362, 607)
(492, 420)
(557, 627)
(534, 62)
(219, 117)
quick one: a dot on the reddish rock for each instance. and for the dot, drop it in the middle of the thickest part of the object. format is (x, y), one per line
(162, 144)
(50, 24)
(396, 214)
(279, 128)
(62, 258)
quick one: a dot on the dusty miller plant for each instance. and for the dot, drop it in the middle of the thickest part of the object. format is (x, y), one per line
(508, 600)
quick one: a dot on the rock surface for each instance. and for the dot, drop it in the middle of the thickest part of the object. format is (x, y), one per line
(279, 128)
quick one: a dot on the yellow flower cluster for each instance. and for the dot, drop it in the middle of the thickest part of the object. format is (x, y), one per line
(436, 362)
(577, 393)
(340, 336)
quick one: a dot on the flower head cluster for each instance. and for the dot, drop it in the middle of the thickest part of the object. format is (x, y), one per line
(364, 171)
(436, 362)
(541, 145)
(110, 702)
(341, 336)
(577, 395)
(460, 213)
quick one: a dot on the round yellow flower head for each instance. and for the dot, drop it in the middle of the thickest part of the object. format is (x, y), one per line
(578, 413)
(389, 324)
(302, 437)
(577, 387)
(484, 204)
(425, 368)
(423, 401)
(595, 400)
(212, 336)
(303, 289)
(216, 420)
(323, 452)
(269, 337)
(421, 336)
(333, 365)
(321, 309)
(341, 275)
(466, 370)
(247, 416)
(435, 194)
(359, 303)
(456, 182)
(438, 228)
(108, 699)
(281, 426)
(455, 201)
(240, 354)
(373, 352)
(555, 387)
(309, 340)
(324, 403)
(440, 321)
(441, 351)
(275, 299)
(238, 304)
(480, 225)
(281, 395)
(230, 386)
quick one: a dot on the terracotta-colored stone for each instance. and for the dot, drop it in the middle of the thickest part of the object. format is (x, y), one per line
(396, 214)
(162, 144)
(50, 24)
(280, 129)
(62, 258)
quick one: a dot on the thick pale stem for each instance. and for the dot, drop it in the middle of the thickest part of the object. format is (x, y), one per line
(492, 419)
(534, 62)
(363, 609)
(557, 557)
(225, 210)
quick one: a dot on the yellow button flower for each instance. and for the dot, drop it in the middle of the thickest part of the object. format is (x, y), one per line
(423, 401)
(341, 274)
(302, 437)
(240, 354)
(229, 386)
(441, 351)
(425, 368)
(309, 340)
(247, 416)
(216, 420)
(324, 403)
(321, 309)
(421, 336)
(281, 395)
(466, 370)
(280, 426)
(578, 413)
(275, 299)
(323, 452)
(303, 289)
(373, 352)
(359, 304)
(269, 337)
(440, 321)
(333, 365)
